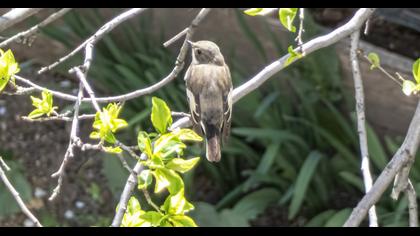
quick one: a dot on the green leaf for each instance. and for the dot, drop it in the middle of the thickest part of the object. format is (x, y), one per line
(187, 135)
(253, 11)
(151, 218)
(144, 179)
(374, 59)
(111, 149)
(256, 202)
(293, 56)
(286, 16)
(167, 145)
(8, 68)
(94, 135)
(133, 205)
(416, 71)
(182, 221)
(320, 219)
(408, 87)
(144, 143)
(182, 165)
(167, 179)
(35, 114)
(352, 179)
(339, 218)
(177, 204)
(3, 83)
(302, 182)
(161, 115)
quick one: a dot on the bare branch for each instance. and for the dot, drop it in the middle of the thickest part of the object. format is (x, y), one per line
(3, 163)
(301, 30)
(15, 16)
(72, 143)
(35, 29)
(406, 151)
(98, 35)
(361, 128)
(412, 205)
(175, 38)
(58, 118)
(18, 199)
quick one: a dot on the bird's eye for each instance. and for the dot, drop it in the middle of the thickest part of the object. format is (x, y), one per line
(198, 51)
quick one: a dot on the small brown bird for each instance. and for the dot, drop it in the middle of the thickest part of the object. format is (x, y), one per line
(209, 93)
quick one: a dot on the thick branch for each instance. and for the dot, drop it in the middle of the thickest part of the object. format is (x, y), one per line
(412, 205)
(407, 150)
(15, 16)
(35, 28)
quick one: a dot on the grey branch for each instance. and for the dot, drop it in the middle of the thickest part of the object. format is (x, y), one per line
(58, 118)
(17, 197)
(98, 35)
(15, 16)
(72, 143)
(361, 126)
(35, 29)
(412, 205)
(320, 42)
(406, 151)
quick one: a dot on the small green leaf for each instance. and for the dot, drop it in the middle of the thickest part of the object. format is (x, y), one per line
(416, 71)
(182, 165)
(253, 11)
(144, 143)
(168, 145)
(133, 205)
(177, 204)
(286, 16)
(94, 135)
(187, 135)
(132, 215)
(35, 114)
(408, 87)
(182, 221)
(374, 59)
(144, 179)
(167, 179)
(161, 115)
(111, 149)
(293, 56)
(151, 218)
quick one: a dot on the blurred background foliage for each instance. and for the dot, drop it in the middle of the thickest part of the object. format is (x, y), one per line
(294, 145)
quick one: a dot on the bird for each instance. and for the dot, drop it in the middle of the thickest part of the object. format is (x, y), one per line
(209, 94)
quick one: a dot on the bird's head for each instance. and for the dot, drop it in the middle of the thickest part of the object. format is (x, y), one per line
(206, 52)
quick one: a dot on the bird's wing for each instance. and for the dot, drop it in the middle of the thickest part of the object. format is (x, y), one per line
(227, 105)
(193, 100)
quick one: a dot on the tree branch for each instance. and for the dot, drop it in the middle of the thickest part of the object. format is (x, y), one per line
(412, 205)
(35, 28)
(407, 150)
(15, 16)
(17, 197)
(98, 35)
(361, 128)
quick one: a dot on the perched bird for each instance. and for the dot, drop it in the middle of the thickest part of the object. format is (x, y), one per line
(209, 93)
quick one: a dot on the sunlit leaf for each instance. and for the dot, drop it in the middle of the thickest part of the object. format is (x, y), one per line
(408, 87)
(144, 143)
(161, 115)
(374, 59)
(181, 165)
(182, 221)
(144, 179)
(416, 70)
(286, 16)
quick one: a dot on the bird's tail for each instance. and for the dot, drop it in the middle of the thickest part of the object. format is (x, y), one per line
(212, 143)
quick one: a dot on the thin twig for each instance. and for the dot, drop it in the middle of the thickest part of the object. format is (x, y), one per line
(301, 29)
(58, 118)
(383, 71)
(72, 143)
(3, 163)
(361, 126)
(412, 205)
(98, 35)
(175, 38)
(18, 199)
(33, 30)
